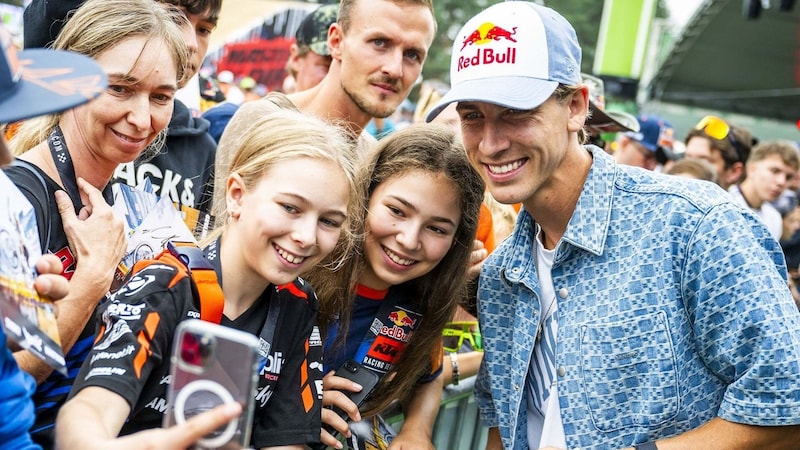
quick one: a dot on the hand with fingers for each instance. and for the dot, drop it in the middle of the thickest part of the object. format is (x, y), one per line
(476, 258)
(334, 395)
(50, 283)
(96, 235)
(177, 436)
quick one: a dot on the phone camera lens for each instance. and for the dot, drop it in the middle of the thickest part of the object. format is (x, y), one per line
(206, 348)
(350, 367)
(190, 350)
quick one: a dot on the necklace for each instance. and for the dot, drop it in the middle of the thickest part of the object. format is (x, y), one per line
(540, 326)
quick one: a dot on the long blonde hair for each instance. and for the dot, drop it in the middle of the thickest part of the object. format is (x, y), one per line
(99, 25)
(289, 134)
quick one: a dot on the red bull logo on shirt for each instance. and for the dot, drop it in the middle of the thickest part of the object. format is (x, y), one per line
(402, 319)
(485, 34)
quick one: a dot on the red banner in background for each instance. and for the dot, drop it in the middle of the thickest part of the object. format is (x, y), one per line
(264, 60)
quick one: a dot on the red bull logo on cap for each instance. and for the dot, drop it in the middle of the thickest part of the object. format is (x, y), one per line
(486, 34)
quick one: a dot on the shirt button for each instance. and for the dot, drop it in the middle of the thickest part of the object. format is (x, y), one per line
(561, 371)
(515, 270)
(516, 387)
(563, 292)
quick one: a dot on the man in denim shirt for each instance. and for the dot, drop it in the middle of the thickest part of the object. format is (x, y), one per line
(628, 309)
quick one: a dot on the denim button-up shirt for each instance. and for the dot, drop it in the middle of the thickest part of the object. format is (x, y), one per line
(676, 310)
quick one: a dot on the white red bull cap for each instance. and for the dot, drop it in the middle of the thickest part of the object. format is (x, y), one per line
(513, 54)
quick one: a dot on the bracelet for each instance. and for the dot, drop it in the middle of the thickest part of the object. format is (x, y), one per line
(454, 362)
(646, 446)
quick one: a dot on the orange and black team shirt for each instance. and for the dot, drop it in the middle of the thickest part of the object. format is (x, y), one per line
(134, 342)
(381, 325)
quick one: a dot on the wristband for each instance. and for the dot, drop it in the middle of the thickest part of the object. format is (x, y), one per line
(454, 362)
(646, 446)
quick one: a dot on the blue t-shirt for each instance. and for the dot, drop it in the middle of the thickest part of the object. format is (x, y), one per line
(16, 406)
(377, 335)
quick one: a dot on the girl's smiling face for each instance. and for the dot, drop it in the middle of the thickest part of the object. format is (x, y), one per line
(411, 224)
(291, 219)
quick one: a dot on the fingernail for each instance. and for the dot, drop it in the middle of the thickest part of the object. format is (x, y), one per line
(232, 409)
(44, 284)
(357, 386)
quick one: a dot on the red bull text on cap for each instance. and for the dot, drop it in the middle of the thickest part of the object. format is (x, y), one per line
(512, 54)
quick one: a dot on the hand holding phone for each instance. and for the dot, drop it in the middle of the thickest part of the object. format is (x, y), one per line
(357, 373)
(212, 365)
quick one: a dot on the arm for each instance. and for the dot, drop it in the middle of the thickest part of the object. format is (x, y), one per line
(74, 434)
(97, 238)
(724, 435)
(468, 364)
(493, 441)
(420, 416)
(91, 419)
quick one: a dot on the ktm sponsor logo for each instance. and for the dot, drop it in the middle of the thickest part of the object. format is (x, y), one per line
(385, 349)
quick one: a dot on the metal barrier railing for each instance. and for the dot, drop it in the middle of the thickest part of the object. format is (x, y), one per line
(458, 425)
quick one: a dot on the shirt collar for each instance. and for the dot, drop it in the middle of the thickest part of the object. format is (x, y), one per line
(588, 226)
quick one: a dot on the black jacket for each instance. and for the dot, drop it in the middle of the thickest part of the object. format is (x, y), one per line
(185, 166)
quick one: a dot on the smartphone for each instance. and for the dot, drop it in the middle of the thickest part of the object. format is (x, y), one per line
(211, 365)
(368, 379)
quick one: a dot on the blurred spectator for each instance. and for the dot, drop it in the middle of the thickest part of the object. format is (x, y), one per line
(602, 121)
(249, 88)
(648, 146)
(227, 84)
(698, 169)
(309, 58)
(770, 167)
(308, 63)
(726, 147)
(210, 93)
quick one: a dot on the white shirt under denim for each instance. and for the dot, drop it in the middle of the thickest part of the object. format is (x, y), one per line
(673, 309)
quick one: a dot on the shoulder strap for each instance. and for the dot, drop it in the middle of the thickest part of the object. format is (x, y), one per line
(189, 260)
(42, 222)
(202, 272)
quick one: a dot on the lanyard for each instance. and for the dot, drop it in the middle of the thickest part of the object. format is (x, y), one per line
(268, 329)
(66, 170)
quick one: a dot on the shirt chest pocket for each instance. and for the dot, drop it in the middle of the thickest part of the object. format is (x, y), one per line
(628, 372)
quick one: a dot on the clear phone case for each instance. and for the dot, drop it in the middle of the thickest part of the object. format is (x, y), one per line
(210, 365)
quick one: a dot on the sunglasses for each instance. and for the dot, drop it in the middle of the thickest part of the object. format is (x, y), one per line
(718, 129)
(455, 333)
